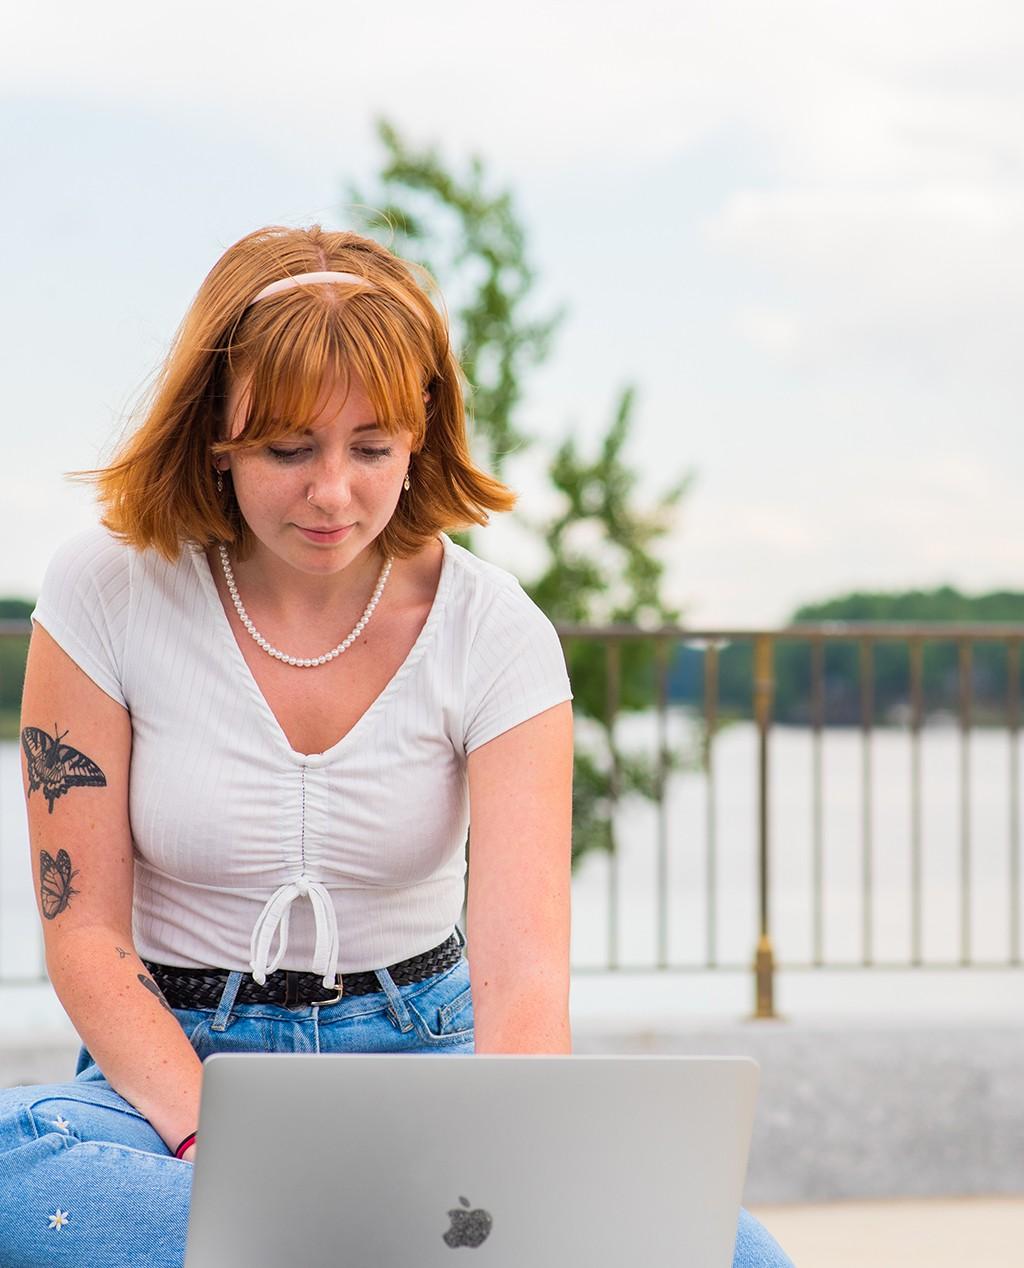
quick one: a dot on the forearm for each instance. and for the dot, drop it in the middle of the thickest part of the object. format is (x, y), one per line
(128, 1028)
(521, 1017)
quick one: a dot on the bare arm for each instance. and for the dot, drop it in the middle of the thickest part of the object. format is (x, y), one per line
(518, 914)
(76, 748)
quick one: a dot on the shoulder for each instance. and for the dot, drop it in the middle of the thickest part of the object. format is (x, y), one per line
(94, 564)
(488, 595)
(475, 571)
(84, 604)
(513, 661)
(501, 627)
(92, 556)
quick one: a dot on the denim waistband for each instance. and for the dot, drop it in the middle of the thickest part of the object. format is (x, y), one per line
(227, 1003)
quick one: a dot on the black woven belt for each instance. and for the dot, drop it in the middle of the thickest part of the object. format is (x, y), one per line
(203, 988)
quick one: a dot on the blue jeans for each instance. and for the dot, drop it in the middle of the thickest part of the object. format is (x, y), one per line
(85, 1179)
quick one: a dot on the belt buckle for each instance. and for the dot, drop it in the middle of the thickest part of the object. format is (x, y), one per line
(334, 998)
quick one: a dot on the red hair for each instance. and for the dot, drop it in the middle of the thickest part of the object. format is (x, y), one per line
(159, 491)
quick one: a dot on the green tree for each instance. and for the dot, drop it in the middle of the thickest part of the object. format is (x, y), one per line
(459, 230)
(607, 576)
(472, 237)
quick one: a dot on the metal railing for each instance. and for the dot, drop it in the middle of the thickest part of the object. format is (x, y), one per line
(866, 637)
(764, 644)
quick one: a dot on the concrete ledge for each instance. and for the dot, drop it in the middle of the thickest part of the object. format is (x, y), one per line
(49, 1060)
(847, 1110)
(870, 1109)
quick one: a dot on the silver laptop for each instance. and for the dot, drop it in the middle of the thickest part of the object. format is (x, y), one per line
(459, 1161)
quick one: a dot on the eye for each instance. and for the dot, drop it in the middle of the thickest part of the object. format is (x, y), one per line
(285, 455)
(375, 455)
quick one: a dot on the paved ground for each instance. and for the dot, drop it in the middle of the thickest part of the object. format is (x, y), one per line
(866, 1110)
(923, 1233)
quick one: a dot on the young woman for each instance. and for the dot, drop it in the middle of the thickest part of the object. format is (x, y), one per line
(264, 700)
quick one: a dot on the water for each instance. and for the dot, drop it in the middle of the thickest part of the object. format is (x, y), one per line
(735, 907)
(731, 930)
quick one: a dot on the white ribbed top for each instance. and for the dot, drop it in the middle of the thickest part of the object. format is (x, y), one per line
(348, 859)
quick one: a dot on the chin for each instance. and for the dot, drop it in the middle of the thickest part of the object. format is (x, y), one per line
(327, 556)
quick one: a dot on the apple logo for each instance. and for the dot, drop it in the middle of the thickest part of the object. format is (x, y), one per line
(469, 1228)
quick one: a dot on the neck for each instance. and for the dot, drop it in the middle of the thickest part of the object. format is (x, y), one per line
(291, 597)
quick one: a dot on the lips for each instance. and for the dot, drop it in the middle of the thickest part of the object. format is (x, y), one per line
(325, 534)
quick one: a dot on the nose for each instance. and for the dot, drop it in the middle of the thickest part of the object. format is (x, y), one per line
(330, 488)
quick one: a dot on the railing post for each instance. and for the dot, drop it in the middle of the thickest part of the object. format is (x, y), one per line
(764, 961)
(711, 840)
(613, 683)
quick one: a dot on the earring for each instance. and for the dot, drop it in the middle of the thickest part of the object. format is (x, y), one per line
(406, 484)
(220, 480)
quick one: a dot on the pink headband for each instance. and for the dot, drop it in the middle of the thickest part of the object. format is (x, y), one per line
(286, 283)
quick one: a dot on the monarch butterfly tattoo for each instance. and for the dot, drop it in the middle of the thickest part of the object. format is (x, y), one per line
(55, 767)
(55, 877)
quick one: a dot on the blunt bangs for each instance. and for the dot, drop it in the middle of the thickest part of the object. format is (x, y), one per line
(294, 354)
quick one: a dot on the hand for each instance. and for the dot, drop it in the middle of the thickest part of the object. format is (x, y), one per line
(189, 1155)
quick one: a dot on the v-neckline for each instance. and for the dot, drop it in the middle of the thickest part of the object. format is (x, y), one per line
(242, 666)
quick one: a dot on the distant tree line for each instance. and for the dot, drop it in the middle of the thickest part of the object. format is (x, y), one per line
(13, 652)
(890, 661)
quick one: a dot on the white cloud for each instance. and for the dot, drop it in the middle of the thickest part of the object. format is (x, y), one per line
(858, 171)
(942, 240)
(936, 271)
(916, 522)
(880, 89)
(773, 330)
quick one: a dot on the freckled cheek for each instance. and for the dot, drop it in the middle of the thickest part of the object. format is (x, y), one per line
(386, 477)
(261, 498)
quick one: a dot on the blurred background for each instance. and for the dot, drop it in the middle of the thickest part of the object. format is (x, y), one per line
(738, 291)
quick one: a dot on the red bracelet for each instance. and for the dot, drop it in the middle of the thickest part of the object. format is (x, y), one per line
(189, 1140)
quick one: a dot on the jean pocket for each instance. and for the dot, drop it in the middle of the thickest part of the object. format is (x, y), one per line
(456, 1017)
(444, 1010)
(193, 1022)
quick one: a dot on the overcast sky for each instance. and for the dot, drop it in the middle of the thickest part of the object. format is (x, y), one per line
(796, 227)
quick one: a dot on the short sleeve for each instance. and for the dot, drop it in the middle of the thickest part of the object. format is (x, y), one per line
(84, 604)
(516, 668)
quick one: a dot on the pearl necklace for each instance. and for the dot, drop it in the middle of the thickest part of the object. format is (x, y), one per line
(343, 646)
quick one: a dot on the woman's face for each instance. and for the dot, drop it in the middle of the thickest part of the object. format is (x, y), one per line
(317, 499)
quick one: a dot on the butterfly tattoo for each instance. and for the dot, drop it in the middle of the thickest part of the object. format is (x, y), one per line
(55, 767)
(55, 877)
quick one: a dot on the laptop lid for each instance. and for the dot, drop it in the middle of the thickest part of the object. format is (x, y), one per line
(460, 1161)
